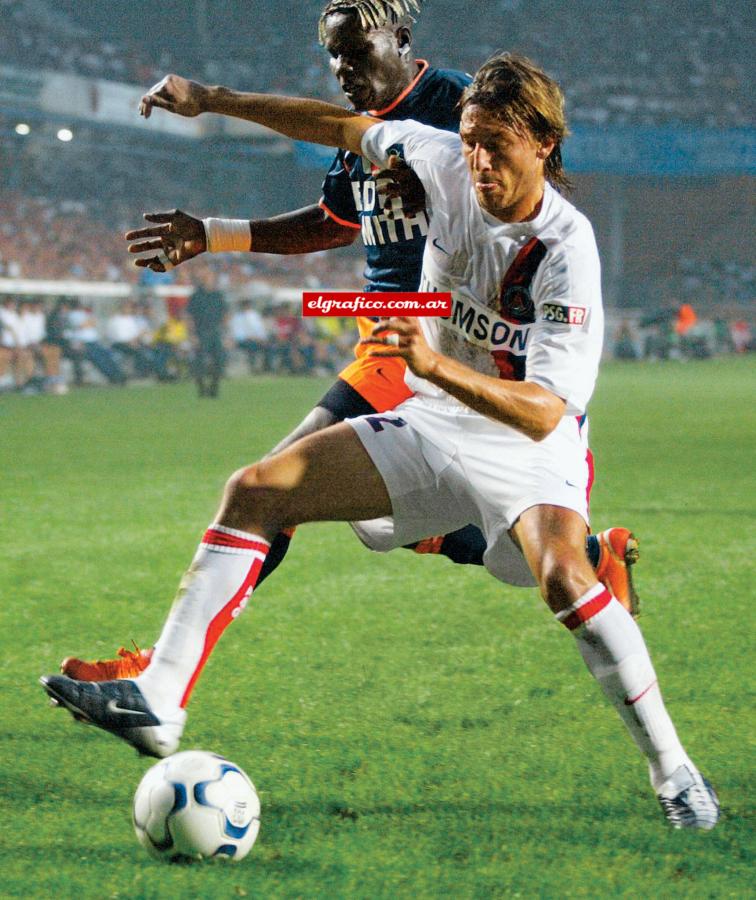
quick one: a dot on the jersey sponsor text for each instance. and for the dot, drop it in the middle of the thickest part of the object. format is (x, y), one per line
(566, 315)
(484, 328)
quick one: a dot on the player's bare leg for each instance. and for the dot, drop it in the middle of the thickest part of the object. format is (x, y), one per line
(6, 358)
(24, 366)
(326, 476)
(610, 642)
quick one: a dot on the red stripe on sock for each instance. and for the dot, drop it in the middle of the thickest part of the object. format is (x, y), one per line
(630, 701)
(219, 624)
(591, 477)
(221, 539)
(587, 611)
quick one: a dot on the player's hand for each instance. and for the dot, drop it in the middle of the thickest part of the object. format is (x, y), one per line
(406, 341)
(399, 189)
(177, 95)
(175, 235)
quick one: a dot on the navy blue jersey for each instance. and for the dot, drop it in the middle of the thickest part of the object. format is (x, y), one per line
(394, 246)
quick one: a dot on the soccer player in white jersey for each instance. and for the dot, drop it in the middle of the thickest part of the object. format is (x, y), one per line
(495, 434)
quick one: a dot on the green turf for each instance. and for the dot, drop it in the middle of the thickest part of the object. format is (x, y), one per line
(414, 729)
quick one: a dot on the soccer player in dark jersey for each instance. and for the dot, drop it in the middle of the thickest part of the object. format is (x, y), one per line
(370, 45)
(207, 312)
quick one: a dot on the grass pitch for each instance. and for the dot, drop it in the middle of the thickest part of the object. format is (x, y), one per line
(414, 728)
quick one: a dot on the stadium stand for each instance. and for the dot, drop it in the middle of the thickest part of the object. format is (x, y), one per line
(645, 67)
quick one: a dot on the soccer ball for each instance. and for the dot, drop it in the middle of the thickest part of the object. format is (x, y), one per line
(196, 805)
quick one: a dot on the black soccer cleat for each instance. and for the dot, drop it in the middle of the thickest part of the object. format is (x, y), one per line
(120, 708)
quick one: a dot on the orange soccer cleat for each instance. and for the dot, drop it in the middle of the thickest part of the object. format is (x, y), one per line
(429, 545)
(618, 549)
(129, 664)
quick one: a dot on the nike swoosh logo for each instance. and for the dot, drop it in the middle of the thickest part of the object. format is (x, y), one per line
(380, 372)
(570, 484)
(113, 707)
(629, 701)
(439, 247)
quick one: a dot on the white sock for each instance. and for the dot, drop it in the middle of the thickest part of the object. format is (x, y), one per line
(212, 593)
(613, 648)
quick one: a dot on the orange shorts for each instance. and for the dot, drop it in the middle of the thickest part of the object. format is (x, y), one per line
(379, 381)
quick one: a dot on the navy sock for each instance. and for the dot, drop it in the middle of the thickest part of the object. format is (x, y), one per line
(278, 550)
(465, 546)
(592, 550)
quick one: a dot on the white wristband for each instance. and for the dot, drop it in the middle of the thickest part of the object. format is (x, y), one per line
(223, 235)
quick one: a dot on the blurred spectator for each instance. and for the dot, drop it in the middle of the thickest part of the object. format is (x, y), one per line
(42, 351)
(740, 332)
(21, 339)
(11, 321)
(207, 311)
(172, 343)
(305, 345)
(83, 343)
(288, 349)
(126, 330)
(722, 339)
(56, 327)
(8, 340)
(12, 341)
(685, 320)
(658, 332)
(625, 342)
(250, 334)
(7, 381)
(334, 338)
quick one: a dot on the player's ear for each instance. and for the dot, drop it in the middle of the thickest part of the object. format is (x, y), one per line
(404, 40)
(545, 149)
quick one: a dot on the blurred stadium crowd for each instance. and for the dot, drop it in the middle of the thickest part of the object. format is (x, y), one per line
(645, 67)
(42, 237)
(49, 346)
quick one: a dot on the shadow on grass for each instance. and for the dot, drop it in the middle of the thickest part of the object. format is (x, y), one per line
(39, 786)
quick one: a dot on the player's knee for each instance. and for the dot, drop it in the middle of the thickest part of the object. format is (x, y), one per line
(560, 571)
(247, 490)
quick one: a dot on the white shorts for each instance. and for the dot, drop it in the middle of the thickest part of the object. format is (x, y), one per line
(447, 466)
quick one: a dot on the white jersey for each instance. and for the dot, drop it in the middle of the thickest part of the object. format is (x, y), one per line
(526, 296)
(11, 328)
(33, 326)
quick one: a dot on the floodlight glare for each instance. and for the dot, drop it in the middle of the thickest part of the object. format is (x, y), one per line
(65, 135)
(22, 128)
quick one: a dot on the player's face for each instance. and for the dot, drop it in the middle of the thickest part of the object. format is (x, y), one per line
(507, 167)
(369, 65)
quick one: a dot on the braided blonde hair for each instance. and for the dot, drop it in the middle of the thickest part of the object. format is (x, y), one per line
(371, 13)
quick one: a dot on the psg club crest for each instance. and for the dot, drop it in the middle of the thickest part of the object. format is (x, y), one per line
(515, 299)
(517, 303)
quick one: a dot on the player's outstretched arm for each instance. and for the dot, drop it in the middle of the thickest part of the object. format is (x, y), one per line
(300, 231)
(294, 117)
(177, 237)
(523, 405)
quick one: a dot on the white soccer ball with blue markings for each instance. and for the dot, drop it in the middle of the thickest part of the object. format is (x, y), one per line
(196, 805)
